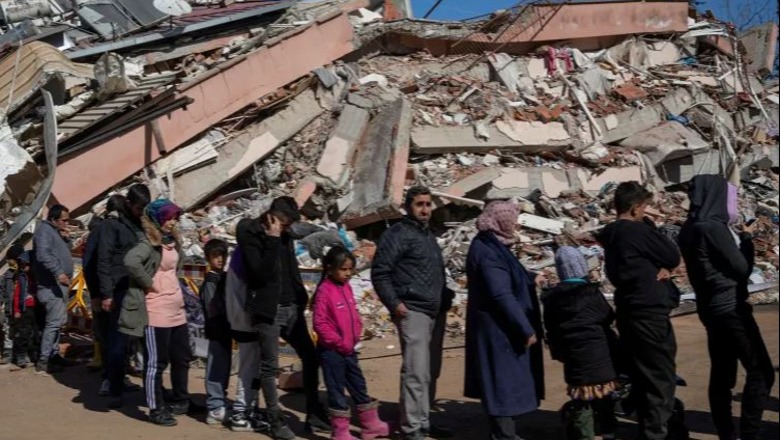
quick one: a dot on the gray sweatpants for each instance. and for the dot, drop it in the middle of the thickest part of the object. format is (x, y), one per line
(55, 304)
(422, 340)
(248, 383)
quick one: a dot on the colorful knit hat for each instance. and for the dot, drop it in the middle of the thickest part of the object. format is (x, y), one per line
(161, 211)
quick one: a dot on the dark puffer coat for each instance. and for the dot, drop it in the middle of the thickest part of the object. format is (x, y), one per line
(408, 268)
(577, 320)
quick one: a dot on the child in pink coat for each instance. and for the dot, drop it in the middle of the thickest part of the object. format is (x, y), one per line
(338, 327)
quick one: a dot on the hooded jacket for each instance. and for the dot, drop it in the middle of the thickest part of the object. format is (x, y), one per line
(408, 268)
(261, 256)
(335, 318)
(634, 253)
(141, 263)
(717, 267)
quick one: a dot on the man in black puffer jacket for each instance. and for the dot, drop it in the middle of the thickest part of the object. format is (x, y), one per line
(719, 264)
(408, 275)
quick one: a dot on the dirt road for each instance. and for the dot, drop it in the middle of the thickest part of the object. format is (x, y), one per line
(66, 406)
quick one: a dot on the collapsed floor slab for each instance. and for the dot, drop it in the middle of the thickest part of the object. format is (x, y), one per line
(380, 167)
(221, 92)
(245, 150)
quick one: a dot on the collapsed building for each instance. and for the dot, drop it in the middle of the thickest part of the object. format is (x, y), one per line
(222, 106)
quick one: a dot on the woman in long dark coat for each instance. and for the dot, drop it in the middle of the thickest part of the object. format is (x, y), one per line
(503, 325)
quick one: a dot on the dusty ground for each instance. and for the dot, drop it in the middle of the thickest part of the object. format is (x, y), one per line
(67, 407)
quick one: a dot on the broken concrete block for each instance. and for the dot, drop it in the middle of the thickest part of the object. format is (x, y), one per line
(245, 150)
(594, 183)
(537, 223)
(670, 140)
(20, 178)
(534, 133)
(359, 101)
(506, 69)
(521, 182)
(304, 191)
(339, 149)
(380, 167)
(471, 183)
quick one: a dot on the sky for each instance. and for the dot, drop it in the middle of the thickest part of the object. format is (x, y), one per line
(731, 10)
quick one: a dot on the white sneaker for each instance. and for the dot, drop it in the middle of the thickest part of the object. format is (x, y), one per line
(105, 388)
(216, 416)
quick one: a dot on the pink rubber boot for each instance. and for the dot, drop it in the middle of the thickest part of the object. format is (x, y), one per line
(372, 426)
(339, 422)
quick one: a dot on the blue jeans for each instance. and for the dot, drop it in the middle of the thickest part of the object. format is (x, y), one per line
(340, 373)
(218, 373)
(54, 301)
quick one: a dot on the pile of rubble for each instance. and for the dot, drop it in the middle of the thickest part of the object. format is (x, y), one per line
(343, 107)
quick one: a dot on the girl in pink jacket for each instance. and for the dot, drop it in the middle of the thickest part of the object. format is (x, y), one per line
(338, 327)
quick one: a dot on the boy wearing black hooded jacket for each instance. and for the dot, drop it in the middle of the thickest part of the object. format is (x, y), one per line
(639, 260)
(719, 264)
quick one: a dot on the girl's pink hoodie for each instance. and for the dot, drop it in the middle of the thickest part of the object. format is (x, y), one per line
(336, 319)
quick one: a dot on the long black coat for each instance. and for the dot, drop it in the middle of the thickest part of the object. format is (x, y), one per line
(503, 311)
(577, 320)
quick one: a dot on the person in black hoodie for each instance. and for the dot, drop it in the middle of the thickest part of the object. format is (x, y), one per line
(276, 300)
(638, 261)
(578, 320)
(116, 237)
(719, 263)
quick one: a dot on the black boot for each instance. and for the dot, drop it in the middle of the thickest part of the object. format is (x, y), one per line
(278, 426)
(318, 422)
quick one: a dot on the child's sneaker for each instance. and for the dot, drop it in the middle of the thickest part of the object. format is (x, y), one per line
(239, 422)
(216, 416)
(105, 388)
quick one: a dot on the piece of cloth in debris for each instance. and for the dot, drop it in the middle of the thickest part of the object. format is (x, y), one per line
(500, 218)
(160, 212)
(570, 264)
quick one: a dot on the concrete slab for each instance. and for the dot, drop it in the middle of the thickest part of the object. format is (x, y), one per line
(761, 45)
(535, 132)
(221, 92)
(670, 140)
(443, 140)
(470, 183)
(521, 182)
(245, 150)
(378, 179)
(340, 148)
(593, 183)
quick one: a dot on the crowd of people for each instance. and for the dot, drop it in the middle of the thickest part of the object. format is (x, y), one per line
(256, 295)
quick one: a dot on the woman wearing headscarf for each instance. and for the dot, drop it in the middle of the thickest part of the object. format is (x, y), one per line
(155, 303)
(504, 366)
(578, 319)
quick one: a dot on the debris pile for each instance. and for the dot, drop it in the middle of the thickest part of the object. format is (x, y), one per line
(343, 108)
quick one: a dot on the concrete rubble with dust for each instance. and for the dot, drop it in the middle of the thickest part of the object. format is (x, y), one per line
(554, 125)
